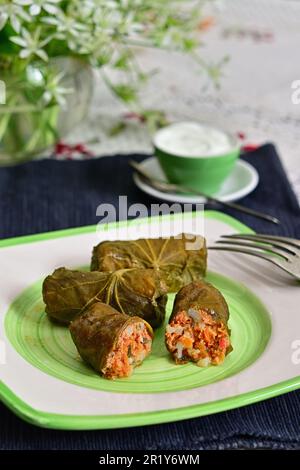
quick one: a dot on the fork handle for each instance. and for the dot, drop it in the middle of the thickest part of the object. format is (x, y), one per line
(246, 210)
(238, 207)
(180, 188)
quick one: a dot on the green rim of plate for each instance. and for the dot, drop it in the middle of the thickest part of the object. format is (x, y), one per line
(60, 421)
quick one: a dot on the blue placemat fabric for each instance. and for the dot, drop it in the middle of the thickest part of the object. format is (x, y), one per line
(50, 195)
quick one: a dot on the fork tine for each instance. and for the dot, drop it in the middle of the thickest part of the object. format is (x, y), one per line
(257, 255)
(245, 252)
(288, 240)
(263, 244)
(264, 248)
(268, 238)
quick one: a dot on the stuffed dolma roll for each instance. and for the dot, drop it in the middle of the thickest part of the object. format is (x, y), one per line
(67, 293)
(178, 260)
(113, 343)
(197, 329)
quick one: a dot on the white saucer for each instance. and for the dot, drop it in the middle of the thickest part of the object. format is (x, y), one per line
(242, 181)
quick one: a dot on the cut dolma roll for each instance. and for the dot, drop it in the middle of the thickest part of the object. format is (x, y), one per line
(178, 260)
(67, 293)
(197, 329)
(113, 343)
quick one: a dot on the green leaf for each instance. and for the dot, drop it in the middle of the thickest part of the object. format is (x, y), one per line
(125, 92)
(189, 44)
(154, 119)
(123, 61)
(117, 129)
(6, 46)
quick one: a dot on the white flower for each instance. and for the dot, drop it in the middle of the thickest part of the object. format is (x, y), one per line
(54, 92)
(103, 16)
(82, 8)
(31, 45)
(13, 13)
(65, 25)
(36, 6)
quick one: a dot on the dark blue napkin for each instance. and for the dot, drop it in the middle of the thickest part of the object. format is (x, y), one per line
(50, 195)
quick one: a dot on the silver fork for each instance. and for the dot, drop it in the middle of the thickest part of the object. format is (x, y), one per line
(165, 187)
(284, 252)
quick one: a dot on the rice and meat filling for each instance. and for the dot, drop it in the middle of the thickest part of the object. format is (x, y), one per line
(198, 330)
(133, 346)
(195, 336)
(112, 342)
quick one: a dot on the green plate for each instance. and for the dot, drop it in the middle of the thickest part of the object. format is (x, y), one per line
(49, 349)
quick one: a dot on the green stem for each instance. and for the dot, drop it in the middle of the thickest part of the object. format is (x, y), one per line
(5, 120)
(18, 109)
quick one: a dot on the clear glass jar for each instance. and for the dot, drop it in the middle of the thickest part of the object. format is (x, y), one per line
(31, 120)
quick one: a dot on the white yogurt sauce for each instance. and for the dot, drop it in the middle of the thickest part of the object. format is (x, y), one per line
(190, 139)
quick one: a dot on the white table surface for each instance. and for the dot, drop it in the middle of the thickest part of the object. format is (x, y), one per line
(262, 38)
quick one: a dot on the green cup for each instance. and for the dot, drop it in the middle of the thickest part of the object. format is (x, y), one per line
(203, 172)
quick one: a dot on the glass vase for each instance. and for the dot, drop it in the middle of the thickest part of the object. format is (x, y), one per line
(43, 102)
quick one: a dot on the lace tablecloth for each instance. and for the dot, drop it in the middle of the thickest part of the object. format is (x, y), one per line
(262, 38)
